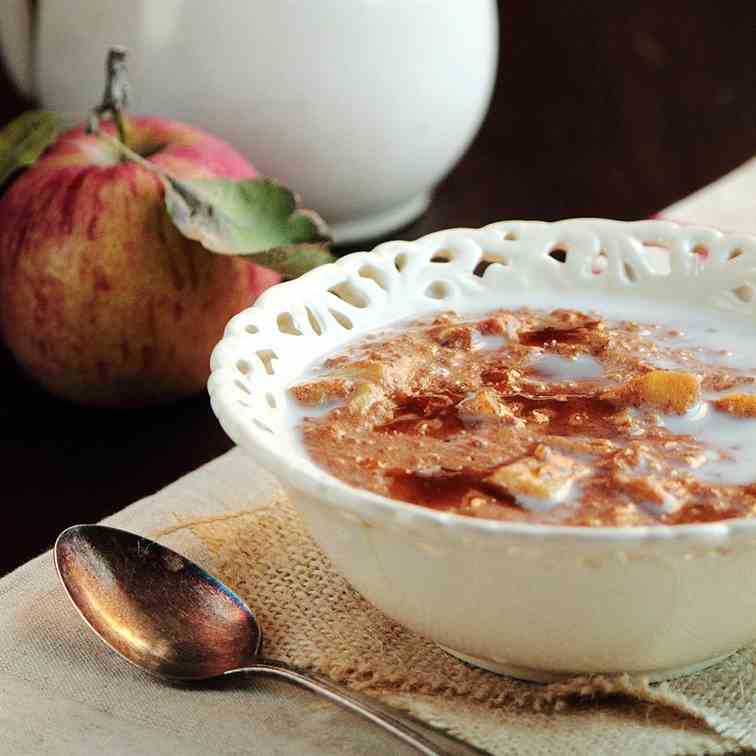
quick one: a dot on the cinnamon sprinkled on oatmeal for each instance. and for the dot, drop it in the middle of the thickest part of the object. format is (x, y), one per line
(560, 417)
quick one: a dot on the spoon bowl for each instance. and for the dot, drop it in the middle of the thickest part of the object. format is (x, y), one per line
(154, 607)
(168, 616)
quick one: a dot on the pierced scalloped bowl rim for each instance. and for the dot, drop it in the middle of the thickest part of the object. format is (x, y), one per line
(301, 474)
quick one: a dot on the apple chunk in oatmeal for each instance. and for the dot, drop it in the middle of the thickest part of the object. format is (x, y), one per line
(556, 417)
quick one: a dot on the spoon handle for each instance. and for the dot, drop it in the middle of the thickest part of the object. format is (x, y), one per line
(347, 699)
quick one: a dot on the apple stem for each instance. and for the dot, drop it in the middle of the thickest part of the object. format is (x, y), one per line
(116, 96)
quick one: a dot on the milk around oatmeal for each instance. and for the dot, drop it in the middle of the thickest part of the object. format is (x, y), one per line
(564, 416)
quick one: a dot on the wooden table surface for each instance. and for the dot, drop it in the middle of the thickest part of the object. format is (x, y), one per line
(600, 109)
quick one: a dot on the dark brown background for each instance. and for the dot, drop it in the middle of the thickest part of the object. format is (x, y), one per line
(601, 109)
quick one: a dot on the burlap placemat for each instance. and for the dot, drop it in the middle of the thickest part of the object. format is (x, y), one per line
(314, 619)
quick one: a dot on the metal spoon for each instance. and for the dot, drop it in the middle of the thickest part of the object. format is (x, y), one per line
(169, 617)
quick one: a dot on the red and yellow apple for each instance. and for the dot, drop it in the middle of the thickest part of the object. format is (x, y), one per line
(102, 300)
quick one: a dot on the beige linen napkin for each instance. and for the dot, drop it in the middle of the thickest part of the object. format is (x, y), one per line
(61, 691)
(729, 203)
(64, 692)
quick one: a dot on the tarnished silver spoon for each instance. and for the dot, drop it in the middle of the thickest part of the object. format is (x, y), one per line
(169, 617)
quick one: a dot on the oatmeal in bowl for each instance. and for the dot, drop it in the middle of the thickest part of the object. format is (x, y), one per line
(555, 417)
(532, 443)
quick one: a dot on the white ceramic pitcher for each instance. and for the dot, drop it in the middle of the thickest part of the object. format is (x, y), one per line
(361, 105)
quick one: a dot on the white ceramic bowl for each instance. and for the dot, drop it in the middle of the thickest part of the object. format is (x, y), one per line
(535, 601)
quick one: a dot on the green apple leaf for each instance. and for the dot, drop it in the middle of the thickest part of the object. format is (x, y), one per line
(256, 218)
(293, 260)
(23, 141)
